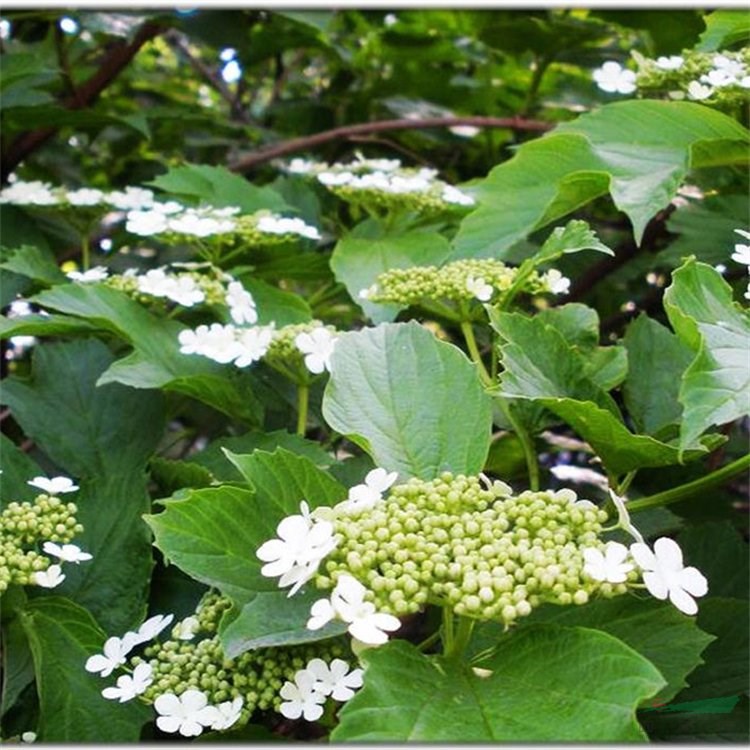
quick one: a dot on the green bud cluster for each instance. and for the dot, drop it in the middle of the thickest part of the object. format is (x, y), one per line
(655, 81)
(426, 203)
(480, 550)
(407, 286)
(23, 527)
(200, 664)
(211, 285)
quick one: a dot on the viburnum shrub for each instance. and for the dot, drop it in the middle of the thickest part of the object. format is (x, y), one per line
(417, 437)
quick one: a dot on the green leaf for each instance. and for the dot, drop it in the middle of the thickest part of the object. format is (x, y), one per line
(282, 479)
(214, 457)
(715, 386)
(103, 437)
(719, 551)
(548, 684)
(357, 262)
(394, 390)
(17, 663)
(18, 468)
(574, 237)
(156, 361)
(271, 618)
(173, 475)
(62, 636)
(275, 305)
(540, 366)
(37, 263)
(44, 325)
(657, 360)
(724, 28)
(660, 633)
(637, 151)
(217, 186)
(725, 671)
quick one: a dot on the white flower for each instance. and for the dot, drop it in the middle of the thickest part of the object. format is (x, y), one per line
(228, 714)
(241, 304)
(729, 66)
(129, 686)
(184, 290)
(151, 628)
(49, 578)
(168, 208)
(186, 629)
(580, 475)
(665, 576)
(348, 604)
(613, 78)
(479, 288)
(196, 223)
(673, 62)
(28, 737)
(281, 225)
(454, 195)
(301, 166)
(610, 566)
(718, 78)
(741, 252)
(698, 92)
(744, 82)
(66, 553)
(302, 543)
(34, 193)
(98, 273)
(188, 714)
(114, 653)
(464, 131)
(364, 496)
(84, 197)
(317, 346)
(556, 282)
(217, 342)
(301, 698)
(335, 679)
(335, 179)
(368, 292)
(252, 344)
(130, 198)
(54, 486)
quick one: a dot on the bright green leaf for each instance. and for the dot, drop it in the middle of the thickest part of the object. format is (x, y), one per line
(36, 263)
(394, 390)
(724, 27)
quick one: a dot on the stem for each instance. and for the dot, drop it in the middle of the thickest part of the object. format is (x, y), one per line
(523, 273)
(85, 251)
(447, 630)
(427, 642)
(622, 487)
(438, 308)
(476, 357)
(303, 398)
(527, 444)
(460, 637)
(691, 488)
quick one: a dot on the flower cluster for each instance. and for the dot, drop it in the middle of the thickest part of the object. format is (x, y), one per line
(384, 184)
(47, 522)
(194, 687)
(37, 193)
(459, 281)
(718, 79)
(177, 221)
(227, 343)
(300, 350)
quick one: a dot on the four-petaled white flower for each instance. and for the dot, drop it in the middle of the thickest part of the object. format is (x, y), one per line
(317, 346)
(49, 578)
(146, 223)
(241, 304)
(301, 697)
(610, 566)
(151, 628)
(615, 79)
(556, 282)
(479, 288)
(348, 603)
(741, 252)
(98, 273)
(335, 679)
(252, 344)
(186, 629)
(302, 543)
(228, 714)
(217, 342)
(66, 552)
(698, 92)
(129, 686)
(365, 496)
(189, 714)
(665, 576)
(114, 653)
(53, 486)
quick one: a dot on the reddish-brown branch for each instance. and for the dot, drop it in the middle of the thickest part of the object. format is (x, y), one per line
(115, 60)
(310, 141)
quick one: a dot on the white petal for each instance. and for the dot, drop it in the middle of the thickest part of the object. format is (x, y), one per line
(366, 631)
(168, 723)
(656, 585)
(683, 601)
(193, 700)
(168, 703)
(668, 553)
(313, 711)
(291, 710)
(643, 556)
(321, 613)
(293, 528)
(693, 581)
(615, 553)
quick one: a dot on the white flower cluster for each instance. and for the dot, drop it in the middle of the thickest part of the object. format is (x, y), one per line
(172, 217)
(53, 575)
(726, 71)
(227, 343)
(662, 568)
(38, 193)
(281, 225)
(741, 255)
(312, 685)
(305, 539)
(189, 713)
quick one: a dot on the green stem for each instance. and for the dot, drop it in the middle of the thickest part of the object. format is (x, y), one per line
(622, 487)
(447, 630)
(459, 637)
(429, 641)
(523, 273)
(85, 251)
(527, 444)
(438, 308)
(476, 357)
(691, 488)
(303, 398)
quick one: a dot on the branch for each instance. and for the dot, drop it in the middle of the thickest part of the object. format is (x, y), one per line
(309, 141)
(116, 59)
